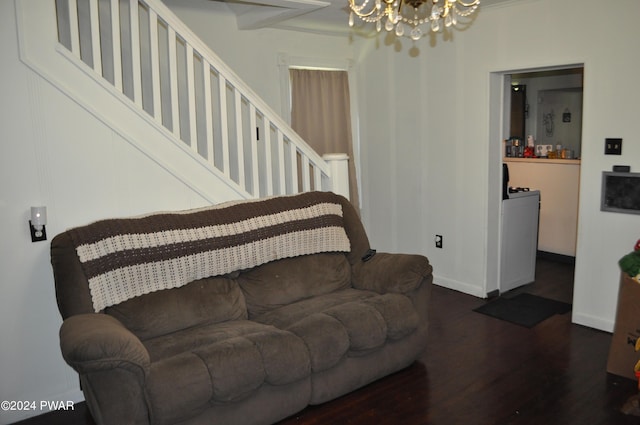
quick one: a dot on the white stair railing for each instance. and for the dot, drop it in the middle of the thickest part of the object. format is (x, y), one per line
(146, 53)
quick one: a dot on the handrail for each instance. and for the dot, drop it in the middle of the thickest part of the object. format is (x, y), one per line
(149, 55)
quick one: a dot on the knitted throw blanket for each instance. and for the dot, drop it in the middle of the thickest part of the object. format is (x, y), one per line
(125, 258)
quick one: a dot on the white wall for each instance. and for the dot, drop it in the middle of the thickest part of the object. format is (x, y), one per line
(423, 162)
(454, 155)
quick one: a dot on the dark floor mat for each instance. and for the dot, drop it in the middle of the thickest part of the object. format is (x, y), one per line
(524, 309)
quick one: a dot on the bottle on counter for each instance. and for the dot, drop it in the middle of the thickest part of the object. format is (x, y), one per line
(529, 152)
(517, 150)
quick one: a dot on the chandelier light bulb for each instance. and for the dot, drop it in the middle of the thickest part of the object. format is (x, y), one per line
(435, 25)
(448, 20)
(416, 33)
(388, 25)
(435, 12)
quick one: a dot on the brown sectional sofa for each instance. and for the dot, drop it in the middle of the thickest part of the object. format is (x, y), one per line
(258, 334)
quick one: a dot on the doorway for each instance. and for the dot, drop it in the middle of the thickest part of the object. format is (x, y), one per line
(534, 83)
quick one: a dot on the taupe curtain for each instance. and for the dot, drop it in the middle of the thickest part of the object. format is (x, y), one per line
(321, 115)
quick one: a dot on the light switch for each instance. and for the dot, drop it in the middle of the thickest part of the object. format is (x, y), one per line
(613, 146)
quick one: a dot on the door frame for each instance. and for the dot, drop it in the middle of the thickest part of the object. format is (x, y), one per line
(499, 103)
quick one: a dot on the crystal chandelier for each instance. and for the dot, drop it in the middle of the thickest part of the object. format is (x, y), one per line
(409, 16)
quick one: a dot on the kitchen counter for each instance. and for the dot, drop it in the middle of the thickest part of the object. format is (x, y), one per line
(558, 181)
(544, 161)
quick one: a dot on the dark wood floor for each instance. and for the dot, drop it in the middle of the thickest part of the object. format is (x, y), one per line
(478, 370)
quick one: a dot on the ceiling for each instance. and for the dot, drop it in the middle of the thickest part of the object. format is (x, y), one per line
(315, 16)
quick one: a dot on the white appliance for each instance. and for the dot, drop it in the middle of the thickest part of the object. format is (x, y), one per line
(519, 237)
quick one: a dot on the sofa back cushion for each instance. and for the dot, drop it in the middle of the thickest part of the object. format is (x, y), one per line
(285, 281)
(127, 257)
(209, 300)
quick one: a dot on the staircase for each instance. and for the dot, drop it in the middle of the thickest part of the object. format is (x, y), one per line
(141, 71)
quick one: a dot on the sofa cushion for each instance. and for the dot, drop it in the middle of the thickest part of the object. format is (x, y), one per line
(220, 363)
(203, 301)
(398, 313)
(348, 322)
(365, 326)
(283, 282)
(326, 338)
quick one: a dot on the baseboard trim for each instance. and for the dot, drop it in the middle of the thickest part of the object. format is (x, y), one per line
(463, 287)
(493, 294)
(560, 258)
(592, 321)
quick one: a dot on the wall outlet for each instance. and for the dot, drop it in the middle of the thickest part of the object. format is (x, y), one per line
(438, 241)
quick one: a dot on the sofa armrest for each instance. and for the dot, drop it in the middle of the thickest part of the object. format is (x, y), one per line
(398, 273)
(97, 342)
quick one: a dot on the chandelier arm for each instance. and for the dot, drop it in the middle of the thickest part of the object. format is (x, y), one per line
(364, 15)
(470, 4)
(355, 8)
(447, 7)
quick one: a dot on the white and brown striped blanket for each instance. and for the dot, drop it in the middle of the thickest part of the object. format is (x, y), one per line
(128, 257)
